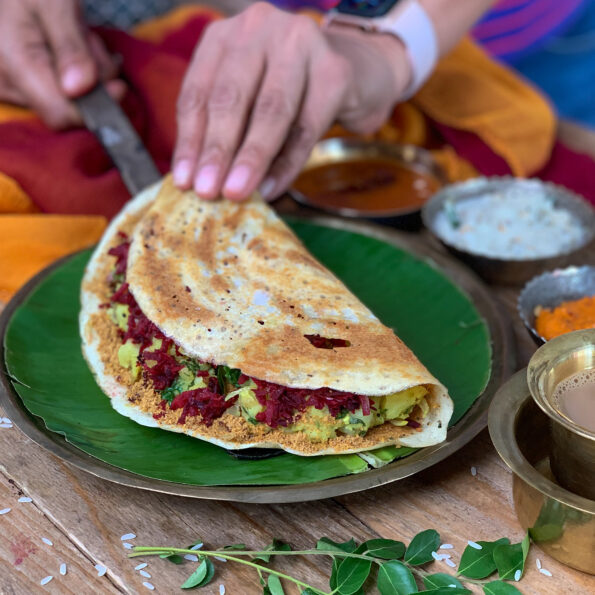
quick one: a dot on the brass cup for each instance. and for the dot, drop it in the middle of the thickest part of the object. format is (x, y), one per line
(560, 522)
(572, 447)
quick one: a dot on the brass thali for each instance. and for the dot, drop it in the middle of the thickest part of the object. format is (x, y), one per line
(471, 423)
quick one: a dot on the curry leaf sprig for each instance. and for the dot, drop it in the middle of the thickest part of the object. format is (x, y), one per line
(397, 568)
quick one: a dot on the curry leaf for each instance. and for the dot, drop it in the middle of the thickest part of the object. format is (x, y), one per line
(509, 559)
(441, 579)
(387, 549)
(210, 574)
(173, 558)
(235, 546)
(351, 575)
(421, 547)
(276, 546)
(197, 576)
(325, 543)
(274, 585)
(500, 588)
(479, 563)
(394, 578)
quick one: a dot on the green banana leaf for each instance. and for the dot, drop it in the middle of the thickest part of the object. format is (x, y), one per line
(43, 357)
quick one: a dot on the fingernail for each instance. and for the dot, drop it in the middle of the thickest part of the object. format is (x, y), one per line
(206, 179)
(237, 179)
(182, 173)
(73, 79)
(267, 187)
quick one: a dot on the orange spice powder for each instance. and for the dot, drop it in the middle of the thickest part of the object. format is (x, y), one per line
(568, 316)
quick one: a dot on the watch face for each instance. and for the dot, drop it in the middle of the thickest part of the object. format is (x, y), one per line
(366, 8)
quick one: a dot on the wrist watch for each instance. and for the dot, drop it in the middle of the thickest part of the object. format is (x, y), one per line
(405, 19)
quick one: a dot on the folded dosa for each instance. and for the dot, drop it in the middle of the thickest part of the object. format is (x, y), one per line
(234, 289)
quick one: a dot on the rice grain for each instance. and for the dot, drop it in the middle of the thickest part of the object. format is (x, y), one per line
(128, 536)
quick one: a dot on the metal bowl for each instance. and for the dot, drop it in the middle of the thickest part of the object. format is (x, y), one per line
(338, 150)
(560, 522)
(509, 271)
(551, 289)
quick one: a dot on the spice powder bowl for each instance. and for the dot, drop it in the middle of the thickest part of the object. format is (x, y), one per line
(511, 271)
(552, 288)
(382, 182)
(559, 522)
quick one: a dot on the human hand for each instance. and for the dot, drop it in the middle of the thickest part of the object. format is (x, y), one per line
(264, 86)
(48, 57)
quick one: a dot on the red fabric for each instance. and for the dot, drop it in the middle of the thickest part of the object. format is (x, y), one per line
(69, 172)
(574, 170)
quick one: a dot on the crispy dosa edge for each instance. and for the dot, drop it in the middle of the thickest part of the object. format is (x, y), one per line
(433, 426)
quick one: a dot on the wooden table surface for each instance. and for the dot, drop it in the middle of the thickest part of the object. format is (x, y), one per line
(84, 517)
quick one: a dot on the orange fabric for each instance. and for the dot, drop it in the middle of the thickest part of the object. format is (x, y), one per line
(31, 242)
(467, 91)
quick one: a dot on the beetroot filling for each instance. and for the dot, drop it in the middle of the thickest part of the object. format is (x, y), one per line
(281, 405)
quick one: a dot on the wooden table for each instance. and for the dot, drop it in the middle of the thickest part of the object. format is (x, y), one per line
(84, 518)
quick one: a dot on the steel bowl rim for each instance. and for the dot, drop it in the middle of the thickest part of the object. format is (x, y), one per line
(502, 422)
(440, 197)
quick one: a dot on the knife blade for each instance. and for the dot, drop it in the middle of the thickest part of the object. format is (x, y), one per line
(106, 120)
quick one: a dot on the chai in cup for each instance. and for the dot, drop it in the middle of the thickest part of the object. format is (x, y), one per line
(575, 398)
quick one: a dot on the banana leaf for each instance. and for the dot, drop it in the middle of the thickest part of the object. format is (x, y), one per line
(44, 360)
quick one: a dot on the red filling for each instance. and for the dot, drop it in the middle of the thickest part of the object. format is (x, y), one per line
(281, 404)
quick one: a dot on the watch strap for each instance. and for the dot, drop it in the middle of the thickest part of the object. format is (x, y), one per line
(409, 21)
(415, 29)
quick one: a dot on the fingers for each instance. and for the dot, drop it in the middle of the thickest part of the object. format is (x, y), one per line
(274, 110)
(326, 91)
(30, 64)
(75, 67)
(191, 107)
(227, 109)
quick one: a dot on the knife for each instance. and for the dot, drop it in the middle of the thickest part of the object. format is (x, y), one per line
(106, 120)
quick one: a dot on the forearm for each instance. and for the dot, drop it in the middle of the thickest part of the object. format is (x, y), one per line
(453, 18)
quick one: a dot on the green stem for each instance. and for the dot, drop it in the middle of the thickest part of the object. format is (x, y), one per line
(150, 550)
(139, 551)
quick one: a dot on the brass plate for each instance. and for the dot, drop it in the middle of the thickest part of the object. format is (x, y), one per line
(468, 427)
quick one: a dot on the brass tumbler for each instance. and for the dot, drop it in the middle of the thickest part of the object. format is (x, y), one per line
(572, 448)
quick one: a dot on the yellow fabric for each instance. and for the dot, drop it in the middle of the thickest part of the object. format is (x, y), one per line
(467, 91)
